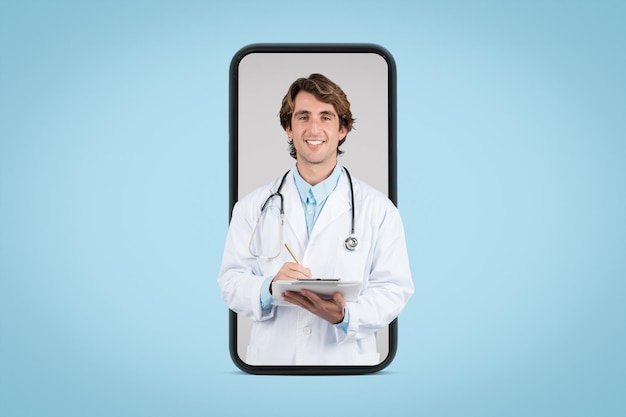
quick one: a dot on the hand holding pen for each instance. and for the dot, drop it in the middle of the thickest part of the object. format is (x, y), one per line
(291, 271)
(332, 310)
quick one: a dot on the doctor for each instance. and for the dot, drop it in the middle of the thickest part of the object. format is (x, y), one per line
(316, 198)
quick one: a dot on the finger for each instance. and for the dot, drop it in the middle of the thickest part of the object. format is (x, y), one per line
(338, 298)
(297, 299)
(303, 270)
(296, 268)
(321, 304)
(312, 296)
(292, 271)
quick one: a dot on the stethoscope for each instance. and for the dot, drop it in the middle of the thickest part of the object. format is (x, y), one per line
(351, 243)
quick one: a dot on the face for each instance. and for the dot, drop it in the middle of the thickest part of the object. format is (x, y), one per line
(315, 132)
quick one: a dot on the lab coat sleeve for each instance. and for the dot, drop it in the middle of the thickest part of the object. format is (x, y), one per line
(389, 286)
(239, 277)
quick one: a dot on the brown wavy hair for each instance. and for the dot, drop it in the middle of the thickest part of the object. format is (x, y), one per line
(325, 91)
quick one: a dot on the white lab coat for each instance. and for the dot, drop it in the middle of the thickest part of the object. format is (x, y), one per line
(289, 335)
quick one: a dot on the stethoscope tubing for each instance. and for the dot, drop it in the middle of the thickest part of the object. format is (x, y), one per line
(351, 242)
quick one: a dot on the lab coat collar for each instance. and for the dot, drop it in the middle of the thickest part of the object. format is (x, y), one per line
(294, 214)
(337, 204)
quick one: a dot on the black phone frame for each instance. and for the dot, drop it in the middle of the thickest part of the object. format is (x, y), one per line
(233, 189)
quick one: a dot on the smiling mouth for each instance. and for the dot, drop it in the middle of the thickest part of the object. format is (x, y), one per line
(314, 142)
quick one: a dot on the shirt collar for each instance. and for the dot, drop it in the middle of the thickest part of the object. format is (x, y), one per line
(320, 191)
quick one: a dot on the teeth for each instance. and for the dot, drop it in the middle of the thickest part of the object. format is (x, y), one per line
(314, 142)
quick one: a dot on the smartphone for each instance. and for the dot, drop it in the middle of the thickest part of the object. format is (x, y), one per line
(260, 75)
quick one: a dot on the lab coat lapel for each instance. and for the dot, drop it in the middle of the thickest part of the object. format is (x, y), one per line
(337, 203)
(294, 215)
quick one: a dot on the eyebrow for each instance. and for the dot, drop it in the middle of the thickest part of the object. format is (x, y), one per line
(324, 113)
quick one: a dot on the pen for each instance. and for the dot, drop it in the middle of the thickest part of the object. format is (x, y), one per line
(292, 255)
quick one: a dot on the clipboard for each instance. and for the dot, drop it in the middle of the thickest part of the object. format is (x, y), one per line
(324, 287)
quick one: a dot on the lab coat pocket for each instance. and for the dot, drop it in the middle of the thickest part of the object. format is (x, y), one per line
(353, 265)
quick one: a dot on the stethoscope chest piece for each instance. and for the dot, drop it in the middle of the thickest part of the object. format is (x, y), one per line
(351, 243)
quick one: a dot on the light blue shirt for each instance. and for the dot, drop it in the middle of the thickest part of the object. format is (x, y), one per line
(313, 198)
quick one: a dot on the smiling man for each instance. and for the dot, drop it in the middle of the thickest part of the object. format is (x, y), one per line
(314, 128)
(312, 208)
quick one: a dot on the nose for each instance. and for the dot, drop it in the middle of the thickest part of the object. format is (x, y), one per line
(314, 127)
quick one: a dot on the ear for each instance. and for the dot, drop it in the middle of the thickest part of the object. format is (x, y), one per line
(288, 131)
(343, 132)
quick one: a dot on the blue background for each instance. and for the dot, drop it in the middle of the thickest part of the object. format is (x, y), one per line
(114, 207)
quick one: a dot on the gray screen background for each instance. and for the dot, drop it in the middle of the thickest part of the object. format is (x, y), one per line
(263, 154)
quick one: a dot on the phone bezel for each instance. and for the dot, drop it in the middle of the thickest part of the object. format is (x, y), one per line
(233, 188)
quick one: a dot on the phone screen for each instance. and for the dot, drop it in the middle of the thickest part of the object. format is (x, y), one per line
(260, 75)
